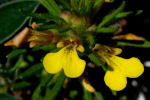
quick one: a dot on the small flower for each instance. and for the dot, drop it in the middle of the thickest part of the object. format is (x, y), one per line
(67, 59)
(120, 68)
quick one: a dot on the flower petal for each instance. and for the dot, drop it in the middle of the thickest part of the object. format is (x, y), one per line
(115, 80)
(53, 62)
(132, 67)
(74, 66)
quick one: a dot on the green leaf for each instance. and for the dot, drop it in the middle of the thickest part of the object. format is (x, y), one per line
(73, 94)
(15, 53)
(12, 17)
(7, 97)
(4, 1)
(46, 27)
(95, 59)
(51, 93)
(37, 92)
(107, 29)
(146, 44)
(114, 92)
(139, 12)
(47, 48)
(99, 96)
(45, 17)
(98, 2)
(111, 16)
(19, 64)
(51, 6)
(124, 97)
(87, 95)
(65, 4)
(91, 40)
(123, 14)
(20, 85)
(31, 71)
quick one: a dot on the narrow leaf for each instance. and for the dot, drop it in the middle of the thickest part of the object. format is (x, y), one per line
(87, 95)
(51, 6)
(111, 16)
(99, 96)
(37, 92)
(95, 59)
(20, 85)
(123, 14)
(15, 53)
(98, 2)
(107, 29)
(31, 71)
(51, 93)
(146, 44)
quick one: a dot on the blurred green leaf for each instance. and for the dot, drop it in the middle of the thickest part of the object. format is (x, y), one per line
(51, 6)
(98, 2)
(4, 1)
(15, 53)
(30, 58)
(12, 18)
(51, 93)
(107, 29)
(123, 98)
(73, 94)
(95, 59)
(7, 97)
(47, 48)
(146, 44)
(65, 4)
(91, 40)
(19, 64)
(87, 95)
(123, 14)
(45, 16)
(43, 82)
(99, 96)
(31, 71)
(139, 12)
(45, 27)
(111, 16)
(20, 85)
(114, 92)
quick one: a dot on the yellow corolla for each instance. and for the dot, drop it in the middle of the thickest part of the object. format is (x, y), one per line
(67, 59)
(120, 68)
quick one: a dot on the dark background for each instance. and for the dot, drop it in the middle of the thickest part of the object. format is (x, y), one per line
(139, 25)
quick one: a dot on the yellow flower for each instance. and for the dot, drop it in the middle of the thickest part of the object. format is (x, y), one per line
(67, 59)
(120, 68)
